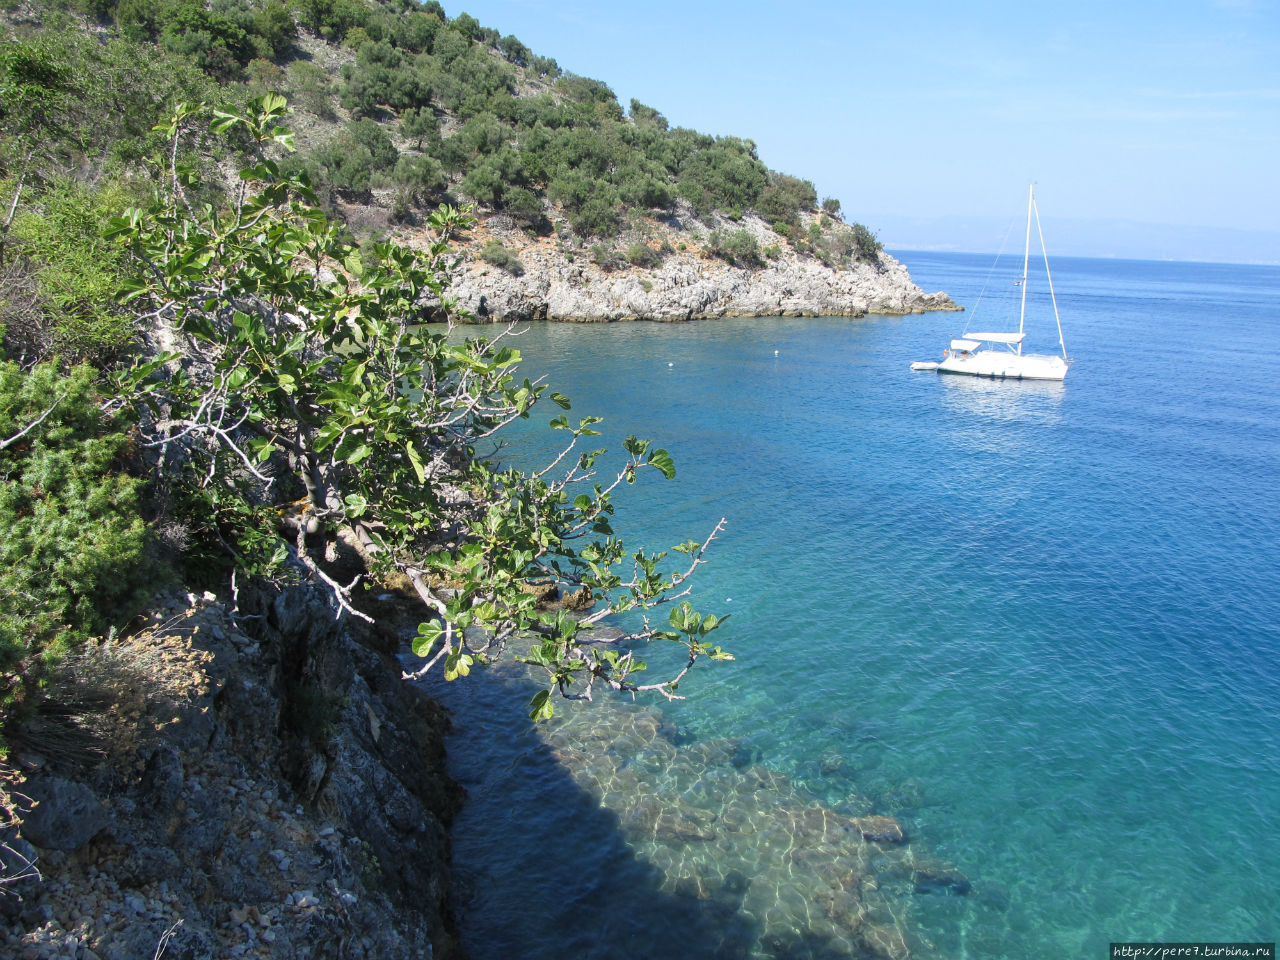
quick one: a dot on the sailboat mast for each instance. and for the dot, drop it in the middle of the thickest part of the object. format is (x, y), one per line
(1026, 254)
(1044, 251)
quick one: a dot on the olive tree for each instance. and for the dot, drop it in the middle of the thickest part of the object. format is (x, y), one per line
(302, 400)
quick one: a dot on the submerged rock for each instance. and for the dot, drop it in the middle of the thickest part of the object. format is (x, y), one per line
(937, 876)
(884, 940)
(880, 829)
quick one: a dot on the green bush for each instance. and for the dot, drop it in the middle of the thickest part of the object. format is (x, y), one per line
(603, 256)
(76, 276)
(868, 247)
(784, 198)
(495, 253)
(643, 255)
(738, 247)
(71, 537)
(379, 420)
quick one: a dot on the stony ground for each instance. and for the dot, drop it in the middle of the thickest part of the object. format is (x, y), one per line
(185, 814)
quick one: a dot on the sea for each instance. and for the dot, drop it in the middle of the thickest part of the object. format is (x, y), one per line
(1035, 624)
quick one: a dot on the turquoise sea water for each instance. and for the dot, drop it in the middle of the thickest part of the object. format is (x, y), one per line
(1039, 624)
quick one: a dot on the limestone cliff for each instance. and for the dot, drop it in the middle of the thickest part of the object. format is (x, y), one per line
(559, 283)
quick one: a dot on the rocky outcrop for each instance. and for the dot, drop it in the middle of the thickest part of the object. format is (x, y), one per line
(688, 284)
(275, 790)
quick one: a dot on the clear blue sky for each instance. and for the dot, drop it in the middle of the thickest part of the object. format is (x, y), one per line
(1157, 113)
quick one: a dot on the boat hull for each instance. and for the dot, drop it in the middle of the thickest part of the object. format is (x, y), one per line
(1004, 365)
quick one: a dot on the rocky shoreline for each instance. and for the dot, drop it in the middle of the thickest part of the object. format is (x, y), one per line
(256, 782)
(549, 282)
(261, 782)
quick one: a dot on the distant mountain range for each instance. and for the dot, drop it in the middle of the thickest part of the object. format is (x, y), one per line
(1120, 239)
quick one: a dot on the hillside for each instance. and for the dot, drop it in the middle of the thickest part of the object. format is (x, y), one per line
(589, 213)
(400, 108)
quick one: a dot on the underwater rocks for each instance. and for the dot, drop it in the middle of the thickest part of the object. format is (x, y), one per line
(880, 829)
(936, 876)
(798, 877)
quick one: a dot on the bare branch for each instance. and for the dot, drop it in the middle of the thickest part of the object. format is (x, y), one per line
(342, 595)
(32, 425)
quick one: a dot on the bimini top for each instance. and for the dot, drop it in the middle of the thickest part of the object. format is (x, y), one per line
(965, 345)
(996, 337)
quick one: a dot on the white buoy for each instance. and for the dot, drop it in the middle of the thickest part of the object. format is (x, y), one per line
(670, 364)
(775, 353)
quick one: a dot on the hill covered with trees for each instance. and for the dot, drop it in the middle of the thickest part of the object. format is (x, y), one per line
(399, 107)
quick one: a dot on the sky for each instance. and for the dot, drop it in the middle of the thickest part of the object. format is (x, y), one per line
(1149, 129)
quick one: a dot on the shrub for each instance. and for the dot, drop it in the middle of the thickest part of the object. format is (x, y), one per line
(643, 255)
(866, 244)
(76, 277)
(71, 537)
(782, 200)
(495, 253)
(311, 89)
(739, 247)
(603, 256)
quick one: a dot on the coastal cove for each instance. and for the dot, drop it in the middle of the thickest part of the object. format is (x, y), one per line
(1033, 623)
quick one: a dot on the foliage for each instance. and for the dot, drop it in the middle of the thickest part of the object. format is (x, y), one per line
(310, 87)
(420, 125)
(75, 273)
(311, 402)
(736, 247)
(643, 255)
(418, 175)
(868, 247)
(350, 162)
(604, 256)
(495, 253)
(70, 104)
(223, 38)
(71, 538)
(784, 198)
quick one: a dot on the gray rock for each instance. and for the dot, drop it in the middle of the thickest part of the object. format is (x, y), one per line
(18, 865)
(66, 817)
(879, 829)
(149, 863)
(138, 940)
(163, 777)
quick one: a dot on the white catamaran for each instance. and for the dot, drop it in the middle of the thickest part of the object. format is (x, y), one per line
(1000, 354)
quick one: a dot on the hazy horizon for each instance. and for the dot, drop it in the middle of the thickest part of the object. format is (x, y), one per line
(1096, 239)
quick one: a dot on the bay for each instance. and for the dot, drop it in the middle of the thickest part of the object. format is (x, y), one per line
(1038, 624)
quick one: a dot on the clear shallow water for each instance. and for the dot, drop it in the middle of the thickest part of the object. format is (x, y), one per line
(1038, 624)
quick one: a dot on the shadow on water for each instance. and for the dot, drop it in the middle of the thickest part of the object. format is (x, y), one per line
(542, 868)
(606, 834)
